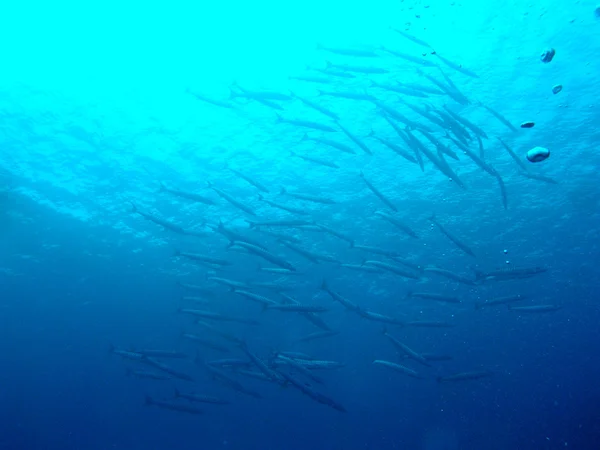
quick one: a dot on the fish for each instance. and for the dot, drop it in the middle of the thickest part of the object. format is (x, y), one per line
(305, 124)
(126, 354)
(428, 324)
(433, 296)
(173, 406)
(405, 349)
(535, 308)
(407, 140)
(161, 353)
(411, 38)
(313, 394)
(258, 185)
(158, 220)
(376, 250)
(312, 257)
(338, 298)
(535, 176)
(512, 273)
(398, 224)
(399, 89)
(415, 59)
(211, 101)
(500, 301)
(315, 364)
(217, 316)
(378, 193)
(453, 238)
(259, 95)
(465, 376)
(502, 191)
(514, 156)
(292, 223)
(205, 342)
(393, 113)
(256, 297)
(500, 117)
(279, 236)
(194, 287)
(311, 79)
(226, 380)
(313, 318)
(332, 231)
(232, 236)
(230, 362)
(261, 365)
(318, 335)
(187, 195)
(232, 284)
(316, 106)
(231, 200)
(362, 268)
(297, 308)
(449, 90)
(455, 66)
(466, 123)
(337, 145)
(358, 69)
(376, 317)
(299, 367)
(167, 369)
(476, 159)
(392, 268)
(265, 254)
(144, 374)
(200, 398)
(350, 95)
(450, 275)
(398, 368)
(319, 161)
(308, 198)
(395, 148)
(355, 139)
(216, 330)
(363, 53)
(278, 270)
(287, 208)
(334, 73)
(202, 258)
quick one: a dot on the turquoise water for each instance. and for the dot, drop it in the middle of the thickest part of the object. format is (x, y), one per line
(104, 104)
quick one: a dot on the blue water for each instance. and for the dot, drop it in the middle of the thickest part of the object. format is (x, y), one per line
(98, 109)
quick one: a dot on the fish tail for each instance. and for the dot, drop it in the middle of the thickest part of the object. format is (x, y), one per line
(133, 207)
(305, 137)
(177, 393)
(111, 348)
(324, 285)
(176, 252)
(283, 191)
(149, 400)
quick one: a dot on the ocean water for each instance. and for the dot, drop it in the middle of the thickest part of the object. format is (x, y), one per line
(107, 106)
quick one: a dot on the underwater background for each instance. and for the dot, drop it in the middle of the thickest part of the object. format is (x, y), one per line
(286, 226)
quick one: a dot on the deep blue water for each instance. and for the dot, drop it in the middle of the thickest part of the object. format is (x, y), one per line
(95, 130)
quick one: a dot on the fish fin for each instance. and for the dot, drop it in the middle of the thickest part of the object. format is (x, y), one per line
(176, 252)
(162, 187)
(128, 372)
(133, 207)
(279, 118)
(260, 197)
(283, 190)
(177, 393)
(251, 224)
(111, 348)
(149, 400)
